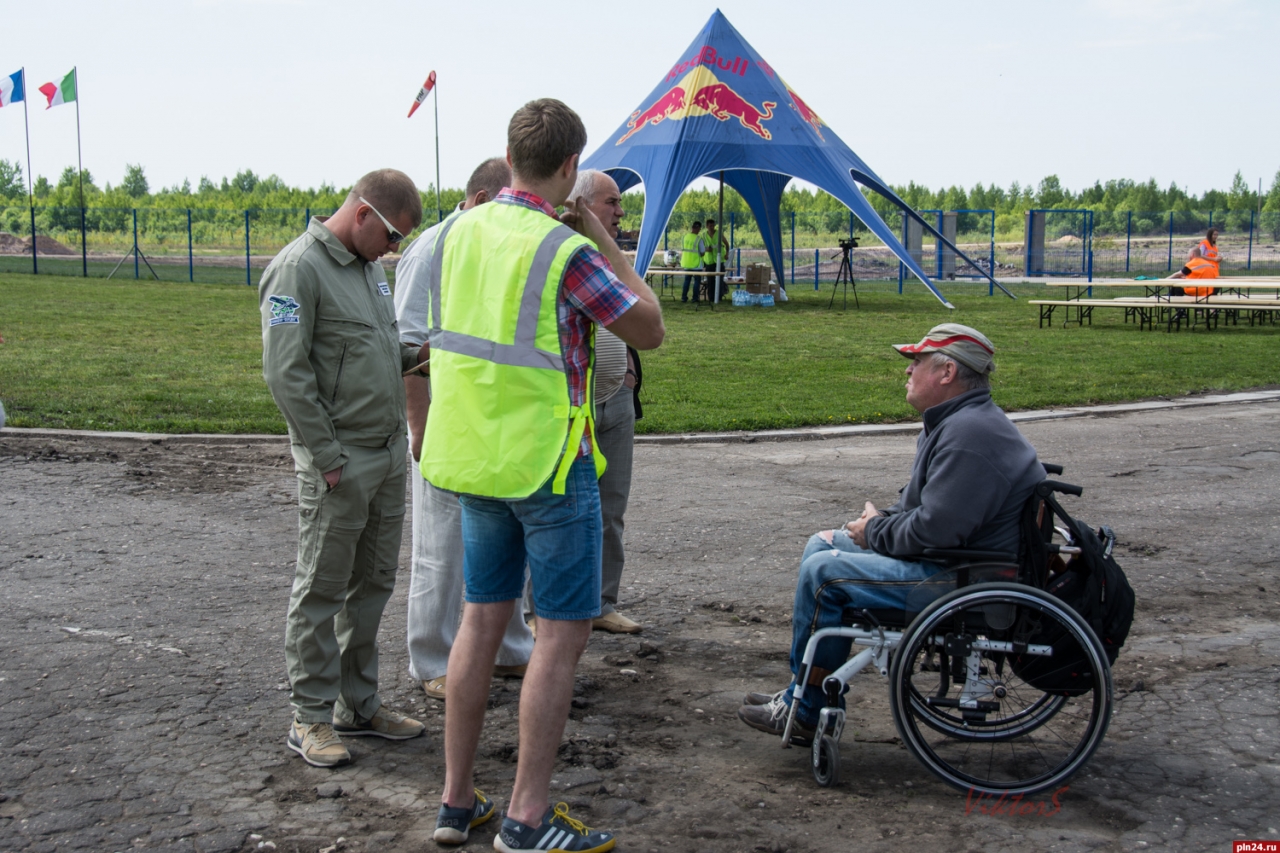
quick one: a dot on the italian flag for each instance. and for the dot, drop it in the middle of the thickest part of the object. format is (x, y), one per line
(60, 93)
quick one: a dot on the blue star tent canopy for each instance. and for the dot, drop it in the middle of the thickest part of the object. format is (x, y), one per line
(721, 107)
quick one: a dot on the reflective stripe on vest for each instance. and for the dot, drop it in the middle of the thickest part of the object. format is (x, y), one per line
(689, 258)
(501, 424)
(1208, 252)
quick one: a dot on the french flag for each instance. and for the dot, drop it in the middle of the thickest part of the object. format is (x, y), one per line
(11, 89)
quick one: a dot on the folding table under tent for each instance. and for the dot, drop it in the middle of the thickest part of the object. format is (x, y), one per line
(764, 136)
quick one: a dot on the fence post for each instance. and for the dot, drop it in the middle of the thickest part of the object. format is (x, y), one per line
(793, 247)
(1128, 241)
(901, 267)
(135, 242)
(307, 224)
(815, 269)
(739, 250)
(191, 262)
(1249, 263)
(35, 265)
(1170, 241)
(851, 226)
(991, 286)
(247, 280)
(937, 242)
(1211, 218)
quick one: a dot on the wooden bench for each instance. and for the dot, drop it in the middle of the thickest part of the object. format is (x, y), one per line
(1148, 311)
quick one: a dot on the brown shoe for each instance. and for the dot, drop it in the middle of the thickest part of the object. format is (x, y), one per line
(384, 723)
(517, 671)
(434, 688)
(616, 623)
(318, 745)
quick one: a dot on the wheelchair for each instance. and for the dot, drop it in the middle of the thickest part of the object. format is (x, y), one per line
(997, 687)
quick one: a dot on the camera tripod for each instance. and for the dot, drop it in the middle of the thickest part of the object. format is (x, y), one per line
(845, 276)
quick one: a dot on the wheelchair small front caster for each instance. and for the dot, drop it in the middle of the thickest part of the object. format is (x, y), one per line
(826, 761)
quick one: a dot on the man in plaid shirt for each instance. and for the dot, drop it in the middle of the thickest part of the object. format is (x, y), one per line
(559, 535)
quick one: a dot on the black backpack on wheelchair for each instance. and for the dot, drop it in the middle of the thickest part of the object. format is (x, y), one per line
(1092, 583)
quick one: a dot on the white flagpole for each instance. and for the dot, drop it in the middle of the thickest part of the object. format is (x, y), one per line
(439, 209)
(31, 202)
(84, 249)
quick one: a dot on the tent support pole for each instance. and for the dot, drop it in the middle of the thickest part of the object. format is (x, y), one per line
(952, 246)
(715, 284)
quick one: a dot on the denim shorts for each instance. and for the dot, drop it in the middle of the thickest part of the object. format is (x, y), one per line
(557, 536)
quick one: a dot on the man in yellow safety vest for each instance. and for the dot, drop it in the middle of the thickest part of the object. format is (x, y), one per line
(716, 251)
(692, 250)
(516, 294)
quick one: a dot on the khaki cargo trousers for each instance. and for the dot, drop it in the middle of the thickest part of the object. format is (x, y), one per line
(348, 548)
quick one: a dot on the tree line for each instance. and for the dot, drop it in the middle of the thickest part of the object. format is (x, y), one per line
(246, 190)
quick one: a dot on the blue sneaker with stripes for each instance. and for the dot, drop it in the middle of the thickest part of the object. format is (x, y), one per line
(454, 825)
(558, 833)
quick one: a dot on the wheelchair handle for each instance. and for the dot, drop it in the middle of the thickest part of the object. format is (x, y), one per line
(1047, 486)
(1050, 468)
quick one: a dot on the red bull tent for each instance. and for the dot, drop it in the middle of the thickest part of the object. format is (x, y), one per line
(721, 107)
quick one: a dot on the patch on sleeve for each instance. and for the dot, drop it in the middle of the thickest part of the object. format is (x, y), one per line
(384, 289)
(284, 309)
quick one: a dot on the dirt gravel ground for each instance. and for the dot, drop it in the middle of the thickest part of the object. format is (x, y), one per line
(142, 683)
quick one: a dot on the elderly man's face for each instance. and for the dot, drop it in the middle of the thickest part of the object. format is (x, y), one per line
(928, 383)
(606, 204)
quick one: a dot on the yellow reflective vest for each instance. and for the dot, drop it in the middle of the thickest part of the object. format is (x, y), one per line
(713, 247)
(500, 423)
(689, 257)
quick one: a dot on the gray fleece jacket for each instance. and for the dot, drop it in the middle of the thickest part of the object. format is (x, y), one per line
(972, 474)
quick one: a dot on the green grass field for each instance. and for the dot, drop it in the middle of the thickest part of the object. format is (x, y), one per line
(176, 357)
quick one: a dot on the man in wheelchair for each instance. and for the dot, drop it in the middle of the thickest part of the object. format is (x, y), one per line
(973, 474)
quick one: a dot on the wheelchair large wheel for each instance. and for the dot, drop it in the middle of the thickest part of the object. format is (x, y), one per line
(962, 709)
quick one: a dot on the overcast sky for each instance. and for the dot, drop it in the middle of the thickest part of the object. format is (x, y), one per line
(936, 92)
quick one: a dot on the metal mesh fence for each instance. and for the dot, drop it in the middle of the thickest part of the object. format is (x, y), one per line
(234, 246)
(165, 244)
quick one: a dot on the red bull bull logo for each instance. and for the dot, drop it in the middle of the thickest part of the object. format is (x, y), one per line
(807, 115)
(699, 93)
(722, 102)
(663, 108)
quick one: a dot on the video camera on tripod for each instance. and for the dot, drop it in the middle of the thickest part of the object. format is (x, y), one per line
(845, 277)
(846, 246)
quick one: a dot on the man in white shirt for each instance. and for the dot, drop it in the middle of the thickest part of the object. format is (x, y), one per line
(435, 586)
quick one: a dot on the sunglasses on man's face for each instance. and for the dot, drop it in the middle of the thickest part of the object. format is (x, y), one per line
(393, 236)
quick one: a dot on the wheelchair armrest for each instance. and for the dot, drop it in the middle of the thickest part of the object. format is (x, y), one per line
(969, 555)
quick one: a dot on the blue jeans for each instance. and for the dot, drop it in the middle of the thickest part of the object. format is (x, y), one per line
(558, 536)
(684, 291)
(840, 576)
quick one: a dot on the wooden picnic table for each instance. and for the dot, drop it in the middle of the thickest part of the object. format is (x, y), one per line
(1160, 287)
(1148, 310)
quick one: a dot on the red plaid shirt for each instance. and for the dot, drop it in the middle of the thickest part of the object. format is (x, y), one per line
(591, 293)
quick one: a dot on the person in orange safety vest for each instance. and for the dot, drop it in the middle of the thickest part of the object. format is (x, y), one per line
(1202, 263)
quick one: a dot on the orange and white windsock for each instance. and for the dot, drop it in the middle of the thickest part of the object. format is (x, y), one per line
(422, 93)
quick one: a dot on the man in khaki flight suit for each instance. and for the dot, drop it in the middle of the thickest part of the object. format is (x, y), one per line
(332, 358)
